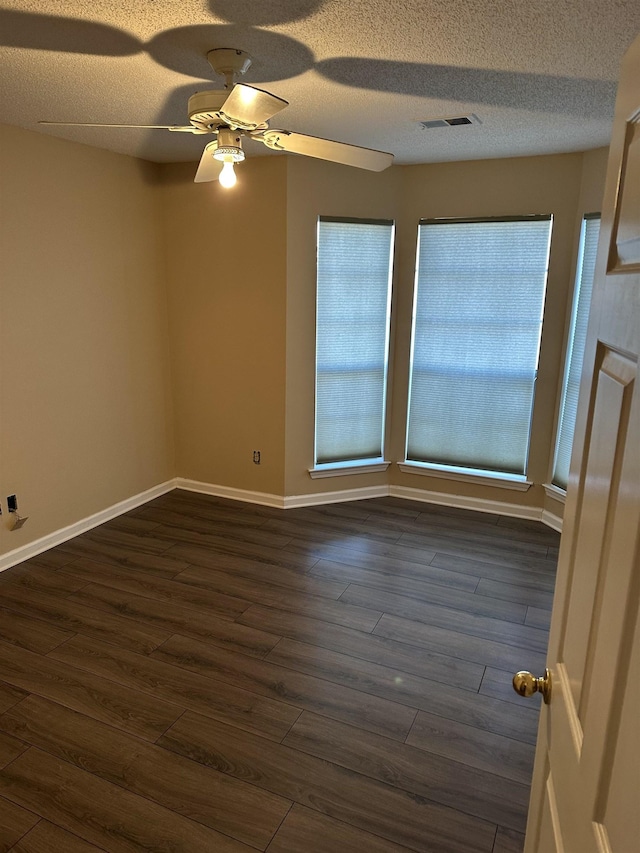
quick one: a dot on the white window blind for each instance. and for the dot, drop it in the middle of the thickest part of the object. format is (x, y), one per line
(575, 347)
(352, 337)
(478, 306)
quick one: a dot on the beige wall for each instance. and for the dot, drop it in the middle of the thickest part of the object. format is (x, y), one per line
(226, 270)
(85, 418)
(153, 328)
(554, 184)
(316, 188)
(493, 188)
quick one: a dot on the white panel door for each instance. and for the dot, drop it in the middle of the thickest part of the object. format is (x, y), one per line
(586, 785)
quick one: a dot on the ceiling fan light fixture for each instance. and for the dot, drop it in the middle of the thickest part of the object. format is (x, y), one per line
(227, 176)
(229, 154)
(228, 151)
(229, 147)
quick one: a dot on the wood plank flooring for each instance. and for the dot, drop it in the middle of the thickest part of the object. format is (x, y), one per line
(207, 675)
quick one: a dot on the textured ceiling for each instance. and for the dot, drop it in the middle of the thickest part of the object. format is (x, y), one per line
(539, 74)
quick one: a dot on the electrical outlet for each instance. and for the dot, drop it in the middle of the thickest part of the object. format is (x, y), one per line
(256, 457)
(12, 503)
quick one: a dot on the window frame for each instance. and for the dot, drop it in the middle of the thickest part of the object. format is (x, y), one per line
(490, 477)
(364, 464)
(552, 487)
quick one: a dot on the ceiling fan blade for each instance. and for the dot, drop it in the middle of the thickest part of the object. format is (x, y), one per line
(208, 169)
(326, 149)
(188, 129)
(248, 107)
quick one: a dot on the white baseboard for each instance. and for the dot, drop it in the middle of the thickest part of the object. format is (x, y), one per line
(316, 499)
(278, 501)
(336, 497)
(551, 520)
(25, 552)
(477, 504)
(262, 498)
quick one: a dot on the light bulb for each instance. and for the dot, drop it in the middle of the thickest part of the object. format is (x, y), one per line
(227, 175)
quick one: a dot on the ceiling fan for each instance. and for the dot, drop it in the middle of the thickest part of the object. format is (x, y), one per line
(240, 110)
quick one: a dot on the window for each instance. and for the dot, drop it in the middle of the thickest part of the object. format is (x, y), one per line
(477, 322)
(575, 347)
(352, 338)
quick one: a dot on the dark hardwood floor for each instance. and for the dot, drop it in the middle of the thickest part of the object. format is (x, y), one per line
(207, 675)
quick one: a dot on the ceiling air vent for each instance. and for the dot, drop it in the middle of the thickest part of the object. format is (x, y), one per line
(449, 121)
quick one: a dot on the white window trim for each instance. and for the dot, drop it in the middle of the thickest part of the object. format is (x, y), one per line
(343, 469)
(334, 469)
(555, 492)
(560, 492)
(515, 482)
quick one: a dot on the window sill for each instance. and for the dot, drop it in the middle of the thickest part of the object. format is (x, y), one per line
(342, 469)
(467, 475)
(555, 492)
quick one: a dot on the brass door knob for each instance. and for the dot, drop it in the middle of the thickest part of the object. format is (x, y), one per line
(526, 684)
